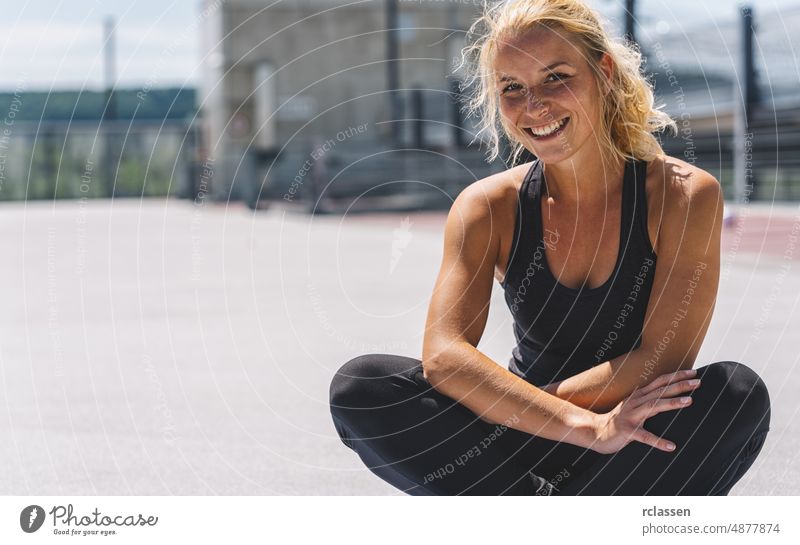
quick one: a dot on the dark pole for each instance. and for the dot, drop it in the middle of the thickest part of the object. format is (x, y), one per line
(455, 87)
(110, 66)
(750, 88)
(630, 21)
(746, 93)
(109, 54)
(393, 68)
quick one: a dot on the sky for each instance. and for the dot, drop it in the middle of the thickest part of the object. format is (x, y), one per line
(57, 44)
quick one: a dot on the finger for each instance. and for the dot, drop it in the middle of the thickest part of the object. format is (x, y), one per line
(670, 390)
(656, 405)
(658, 382)
(668, 378)
(665, 379)
(644, 436)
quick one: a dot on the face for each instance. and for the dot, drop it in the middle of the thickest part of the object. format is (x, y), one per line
(544, 82)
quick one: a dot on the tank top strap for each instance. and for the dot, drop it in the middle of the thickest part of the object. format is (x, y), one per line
(527, 194)
(640, 200)
(532, 191)
(629, 208)
(534, 195)
(532, 179)
(522, 220)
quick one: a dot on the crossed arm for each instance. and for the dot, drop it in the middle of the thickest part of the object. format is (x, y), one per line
(457, 316)
(681, 302)
(679, 311)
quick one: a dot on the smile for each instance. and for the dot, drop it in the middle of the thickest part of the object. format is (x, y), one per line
(548, 130)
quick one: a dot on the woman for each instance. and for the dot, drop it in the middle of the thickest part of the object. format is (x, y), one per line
(608, 253)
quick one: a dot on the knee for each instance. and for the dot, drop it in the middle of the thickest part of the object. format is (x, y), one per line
(738, 389)
(350, 385)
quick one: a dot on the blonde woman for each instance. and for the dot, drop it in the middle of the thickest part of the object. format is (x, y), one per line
(608, 253)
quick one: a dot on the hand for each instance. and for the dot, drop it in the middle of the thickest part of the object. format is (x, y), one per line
(623, 424)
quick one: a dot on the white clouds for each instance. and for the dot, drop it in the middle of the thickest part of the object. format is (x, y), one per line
(58, 43)
(69, 55)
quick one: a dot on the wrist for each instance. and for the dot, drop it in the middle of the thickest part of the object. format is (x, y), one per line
(584, 428)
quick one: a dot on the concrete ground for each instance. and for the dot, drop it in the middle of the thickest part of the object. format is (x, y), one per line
(156, 347)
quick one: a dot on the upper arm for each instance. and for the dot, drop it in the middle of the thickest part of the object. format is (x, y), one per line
(686, 280)
(459, 306)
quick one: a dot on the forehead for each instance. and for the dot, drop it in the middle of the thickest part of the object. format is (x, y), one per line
(534, 50)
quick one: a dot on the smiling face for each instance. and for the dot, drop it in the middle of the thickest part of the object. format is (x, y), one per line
(548, 95)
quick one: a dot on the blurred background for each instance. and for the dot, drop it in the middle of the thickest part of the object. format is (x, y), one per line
(208, 207)
(257, 101)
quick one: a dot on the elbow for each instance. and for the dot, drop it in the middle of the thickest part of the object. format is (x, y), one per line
(675, 365)
(438, 365)
(433, 369)
(670, 363)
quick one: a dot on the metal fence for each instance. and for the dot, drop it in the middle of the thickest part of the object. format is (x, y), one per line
(772, 154)
(91, 159)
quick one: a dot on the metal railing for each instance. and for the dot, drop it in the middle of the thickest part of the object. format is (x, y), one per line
(91, 159)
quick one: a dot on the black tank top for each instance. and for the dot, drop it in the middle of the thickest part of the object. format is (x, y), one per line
(561, 331)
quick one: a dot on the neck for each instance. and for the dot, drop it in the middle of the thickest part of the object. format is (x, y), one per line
(584, 179)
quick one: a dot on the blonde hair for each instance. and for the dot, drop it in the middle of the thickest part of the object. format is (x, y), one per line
(629, 116)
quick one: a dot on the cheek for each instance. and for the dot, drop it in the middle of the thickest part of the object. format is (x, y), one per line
(588, 96)
(510, 108)
(570, 93)
(509, 118)
(583, 102)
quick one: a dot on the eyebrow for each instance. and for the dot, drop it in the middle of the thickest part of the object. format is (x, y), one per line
(506, 77)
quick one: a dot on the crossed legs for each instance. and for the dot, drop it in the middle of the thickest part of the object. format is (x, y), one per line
(425, 443)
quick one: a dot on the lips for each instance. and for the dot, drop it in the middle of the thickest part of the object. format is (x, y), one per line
(564, 122)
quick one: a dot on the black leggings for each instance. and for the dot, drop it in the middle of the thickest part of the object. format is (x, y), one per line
(425, 443)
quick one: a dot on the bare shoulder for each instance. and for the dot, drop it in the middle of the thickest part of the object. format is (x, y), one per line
(495, 193)
(683, 195)
(682, 182)
(493, 201)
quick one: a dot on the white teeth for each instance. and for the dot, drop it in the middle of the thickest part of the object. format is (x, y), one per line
(551, 128)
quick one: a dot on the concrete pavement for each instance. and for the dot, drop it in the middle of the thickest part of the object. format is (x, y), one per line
(157, 347)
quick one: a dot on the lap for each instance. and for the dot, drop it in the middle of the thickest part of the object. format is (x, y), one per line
(388, 403)
(727, 420)
(432, 438)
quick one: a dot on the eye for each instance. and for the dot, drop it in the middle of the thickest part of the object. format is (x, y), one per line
(509, 87)
(558, 75)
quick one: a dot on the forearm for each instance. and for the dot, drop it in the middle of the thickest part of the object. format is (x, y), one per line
(499, 396)
(603, 386)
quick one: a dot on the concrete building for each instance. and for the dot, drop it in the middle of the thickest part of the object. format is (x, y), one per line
(295, 103)
(285, 81)
(698, 75)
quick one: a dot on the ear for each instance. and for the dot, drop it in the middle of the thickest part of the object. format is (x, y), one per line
(607, 70)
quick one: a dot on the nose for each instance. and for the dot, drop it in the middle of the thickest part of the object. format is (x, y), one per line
(535, 105)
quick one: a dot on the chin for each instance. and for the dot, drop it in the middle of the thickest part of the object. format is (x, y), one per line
(550, 156)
